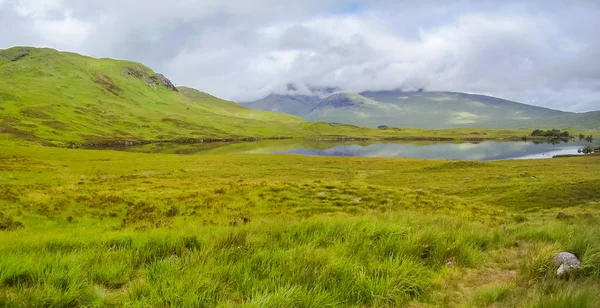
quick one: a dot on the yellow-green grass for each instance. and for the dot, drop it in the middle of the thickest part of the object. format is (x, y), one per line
(102, 228)
(59, 97)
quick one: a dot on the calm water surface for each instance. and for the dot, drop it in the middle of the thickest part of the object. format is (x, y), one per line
(489, 150)
(483, 151)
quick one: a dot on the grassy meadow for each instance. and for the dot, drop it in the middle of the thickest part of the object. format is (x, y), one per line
(105, 228)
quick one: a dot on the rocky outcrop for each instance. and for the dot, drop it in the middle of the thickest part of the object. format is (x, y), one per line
(567, 263)
(130, 71)
(14, 54)
(153, 80)
(338, 101)
(165, 82)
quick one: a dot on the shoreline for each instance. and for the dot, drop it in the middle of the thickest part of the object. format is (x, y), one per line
(128, 143)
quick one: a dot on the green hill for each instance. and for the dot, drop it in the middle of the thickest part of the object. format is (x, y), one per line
(46, 95)
(432, 110)
(582, 121)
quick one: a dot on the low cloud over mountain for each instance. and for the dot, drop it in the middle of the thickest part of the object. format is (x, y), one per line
(543, 53)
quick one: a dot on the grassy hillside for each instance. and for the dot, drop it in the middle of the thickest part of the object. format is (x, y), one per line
(451, 109)
(56, 96)
(430, 110)
(149, 230)
(581, 121)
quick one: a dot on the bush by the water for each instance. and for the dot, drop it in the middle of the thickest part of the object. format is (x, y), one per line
(553, 133)
(589, 149)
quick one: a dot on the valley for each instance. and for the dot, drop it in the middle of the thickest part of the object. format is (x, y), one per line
(285, 222)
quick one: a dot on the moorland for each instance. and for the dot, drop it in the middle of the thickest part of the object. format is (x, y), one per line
(87, 227)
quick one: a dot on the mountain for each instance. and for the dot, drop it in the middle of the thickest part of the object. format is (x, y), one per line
(54, 97)
(291, 104)
(425, 109)
(60, 97)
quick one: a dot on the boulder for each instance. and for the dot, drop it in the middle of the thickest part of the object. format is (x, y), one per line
(567, 262)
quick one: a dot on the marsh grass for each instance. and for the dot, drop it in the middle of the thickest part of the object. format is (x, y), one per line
(102, 228)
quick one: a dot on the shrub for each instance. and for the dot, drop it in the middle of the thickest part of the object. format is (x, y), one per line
(552, 133)
(588, 149)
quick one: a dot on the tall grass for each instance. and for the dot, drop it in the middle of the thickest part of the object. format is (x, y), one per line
(389, 260)
(143, 230)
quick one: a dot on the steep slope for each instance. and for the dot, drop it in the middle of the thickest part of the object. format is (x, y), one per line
(59, 97)
(431, 110)
(291, 104)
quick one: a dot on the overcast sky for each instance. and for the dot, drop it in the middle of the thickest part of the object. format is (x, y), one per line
(545, 53)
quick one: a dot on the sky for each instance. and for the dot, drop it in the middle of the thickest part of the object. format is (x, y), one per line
(544, 53)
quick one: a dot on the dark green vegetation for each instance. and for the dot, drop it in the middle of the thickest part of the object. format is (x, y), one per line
(424, 109)
(589, 149)
(551, 133)
(103, 228)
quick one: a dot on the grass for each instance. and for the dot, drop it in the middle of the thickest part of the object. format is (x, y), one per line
(489, 295)
(106, 228)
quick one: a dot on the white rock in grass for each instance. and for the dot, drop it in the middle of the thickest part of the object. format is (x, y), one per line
(567, 261)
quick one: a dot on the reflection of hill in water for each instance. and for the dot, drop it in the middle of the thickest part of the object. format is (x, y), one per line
(489, 150)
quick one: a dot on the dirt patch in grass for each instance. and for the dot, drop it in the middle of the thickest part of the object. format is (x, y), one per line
(55, 124)
(107, 83)
(36, 113)
(8, 97)
(7, 223)
(22, 134)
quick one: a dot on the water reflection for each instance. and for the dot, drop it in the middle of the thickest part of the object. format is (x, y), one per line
(489, 150)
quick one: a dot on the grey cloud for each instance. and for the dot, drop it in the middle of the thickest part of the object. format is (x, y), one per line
(539, 52)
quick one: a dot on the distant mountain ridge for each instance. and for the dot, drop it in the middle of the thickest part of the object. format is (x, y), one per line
(291, 104)
(424, 109)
